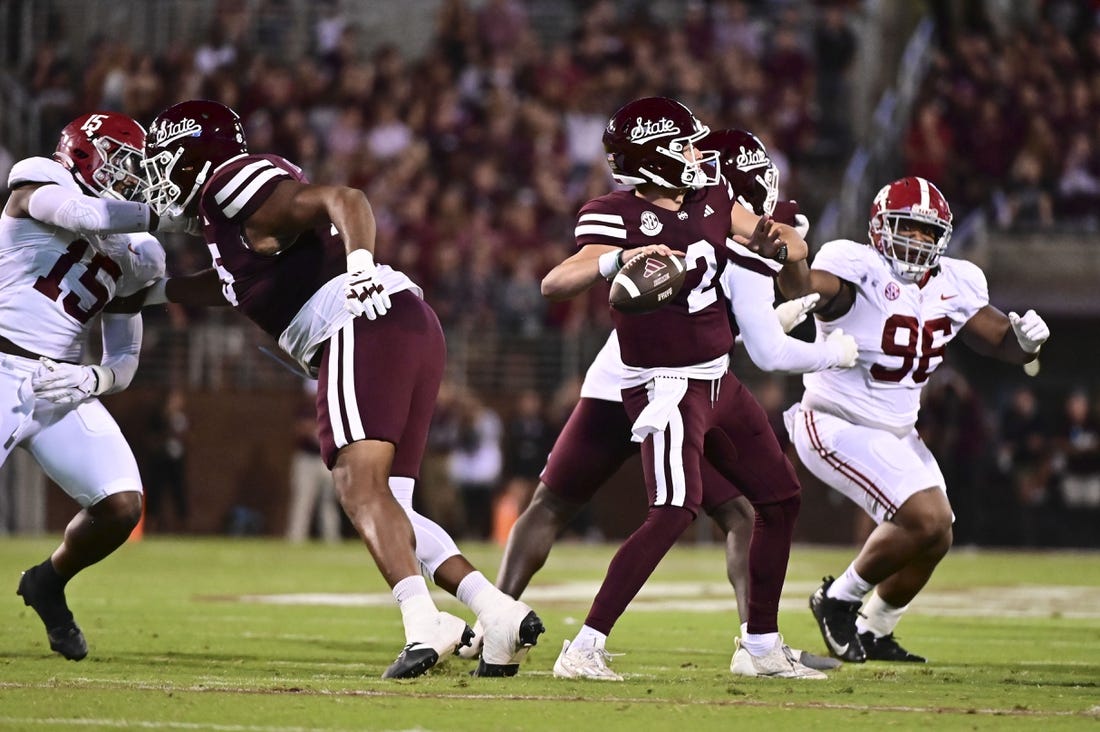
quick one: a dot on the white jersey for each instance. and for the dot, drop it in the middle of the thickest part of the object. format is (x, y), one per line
(604, 377)
(53, 282)
(901, 329)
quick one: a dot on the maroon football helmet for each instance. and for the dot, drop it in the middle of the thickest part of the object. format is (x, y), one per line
(747, 167)
(647, 141)
(186, 142)
(103, 151)
(910, 204)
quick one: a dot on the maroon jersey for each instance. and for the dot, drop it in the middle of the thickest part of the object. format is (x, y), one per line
(694, 327)
(268, 289)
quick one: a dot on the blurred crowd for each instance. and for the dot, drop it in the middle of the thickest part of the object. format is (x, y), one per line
(477, 154)
(1009, 117)
(1022, 472)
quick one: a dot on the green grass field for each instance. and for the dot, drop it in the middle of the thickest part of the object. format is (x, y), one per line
(256, 635)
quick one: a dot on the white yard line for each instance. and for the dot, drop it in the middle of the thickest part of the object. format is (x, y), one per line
(1019, 601)
(87, 683)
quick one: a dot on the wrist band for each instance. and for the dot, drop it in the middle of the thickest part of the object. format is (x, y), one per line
(610, 263)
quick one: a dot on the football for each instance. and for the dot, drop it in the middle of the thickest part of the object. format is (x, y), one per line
(647, 282)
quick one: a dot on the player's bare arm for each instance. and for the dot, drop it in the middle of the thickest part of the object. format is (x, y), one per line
(294, 207)
(837, 296)
(584, 269)
(767, 237)
(202, 289)
(991, 333)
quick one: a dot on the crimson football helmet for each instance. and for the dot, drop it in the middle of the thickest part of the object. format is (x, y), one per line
(103, 151)
(747, 167)
(186, 142)
(648, 140)
(910, 204)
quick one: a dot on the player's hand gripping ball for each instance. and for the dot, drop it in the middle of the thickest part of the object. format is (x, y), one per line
(647, 282)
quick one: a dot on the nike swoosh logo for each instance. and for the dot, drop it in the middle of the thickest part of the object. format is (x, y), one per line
(947, 297)
(840, 649)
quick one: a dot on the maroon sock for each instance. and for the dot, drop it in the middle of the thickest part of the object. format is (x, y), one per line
(768, 554)
(634, 562)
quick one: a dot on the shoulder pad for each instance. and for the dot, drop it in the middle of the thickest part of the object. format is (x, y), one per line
(41, 170)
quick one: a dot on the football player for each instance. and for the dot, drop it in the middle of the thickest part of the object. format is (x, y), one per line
(595, 441)
(855, 430)
(676, 387)
(297, 259)
(69, 243)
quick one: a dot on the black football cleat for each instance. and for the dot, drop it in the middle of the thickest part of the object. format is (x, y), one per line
(443, 638)
(414, 660)
(887, 648)
(62, 631)
(837, 621)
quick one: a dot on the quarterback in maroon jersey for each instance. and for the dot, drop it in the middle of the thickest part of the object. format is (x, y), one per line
(676, 388)
(595, 441)
(297, 259)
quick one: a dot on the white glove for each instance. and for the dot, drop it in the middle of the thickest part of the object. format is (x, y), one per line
(793, 312)
(66, 383)
(844, 349)
(801, 225)
(365, 294)
(1031, 330)
(174, 222)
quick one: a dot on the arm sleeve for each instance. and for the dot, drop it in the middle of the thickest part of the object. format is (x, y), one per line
(121, 346)
(768, 346)
(74, 211)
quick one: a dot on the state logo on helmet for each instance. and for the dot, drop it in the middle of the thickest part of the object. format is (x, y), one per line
(748, 168)
(186, 142)
(649, 141)
(910, 226)
(103, 151)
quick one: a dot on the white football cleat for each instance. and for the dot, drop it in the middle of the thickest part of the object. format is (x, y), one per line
(779, 663)
(584, 663)
(510, 631)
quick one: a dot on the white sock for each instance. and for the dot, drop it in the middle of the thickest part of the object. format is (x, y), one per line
(849, 586)
(477, 593)
(879, 617)
(417, 607)
(589, 638)
(758, 644)
(412, 586)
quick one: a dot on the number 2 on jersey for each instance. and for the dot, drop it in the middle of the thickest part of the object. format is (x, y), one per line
(50, 284)
(704, 293)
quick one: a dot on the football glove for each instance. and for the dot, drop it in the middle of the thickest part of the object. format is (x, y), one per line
(843, 348)
(365, 294)
(793, 312)
(1031, 330)
(66, 383)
